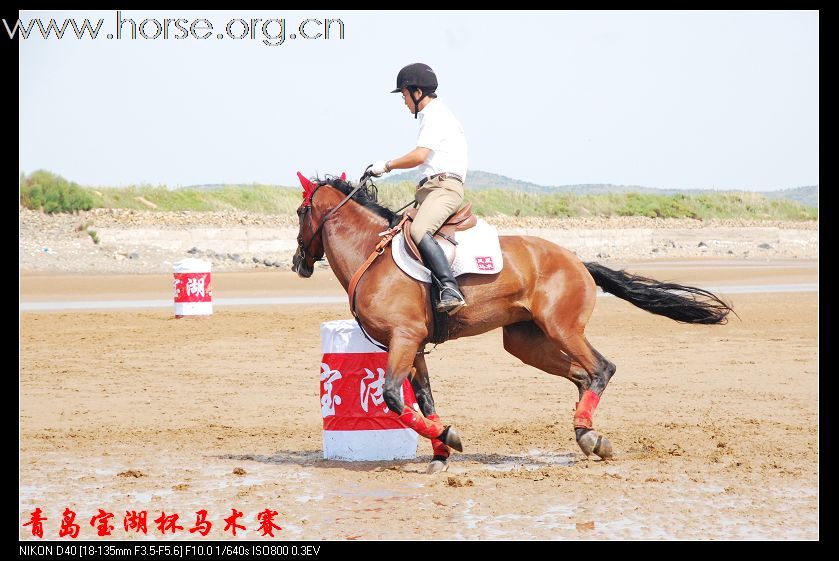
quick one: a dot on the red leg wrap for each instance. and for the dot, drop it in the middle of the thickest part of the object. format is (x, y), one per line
(425, 427)
(440, 448)
(585, 410)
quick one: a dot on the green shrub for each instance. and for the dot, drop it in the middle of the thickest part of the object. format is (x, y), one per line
(49, 192)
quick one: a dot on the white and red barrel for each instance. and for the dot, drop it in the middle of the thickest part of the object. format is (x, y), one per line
(357, 425)
(193, 288)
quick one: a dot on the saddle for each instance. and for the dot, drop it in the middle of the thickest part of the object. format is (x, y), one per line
(463, 219)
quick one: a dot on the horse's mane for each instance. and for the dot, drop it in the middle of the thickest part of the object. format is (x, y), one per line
(366, 197)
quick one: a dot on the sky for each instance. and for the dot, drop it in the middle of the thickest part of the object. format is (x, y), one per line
(690, 100)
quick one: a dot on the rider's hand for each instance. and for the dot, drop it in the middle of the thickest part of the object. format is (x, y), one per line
(379, 168)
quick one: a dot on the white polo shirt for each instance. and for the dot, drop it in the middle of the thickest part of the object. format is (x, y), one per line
(442, 133)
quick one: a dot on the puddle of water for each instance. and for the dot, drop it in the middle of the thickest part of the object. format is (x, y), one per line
(689, 511)
(533, 460)
(309, 498)
(557, 517)
(407, 491)
(291, 458)
(29, 494)
(726, 517)
(471, 520)
(292, 529)
(374, 494)
(626, 528)
(143, 498)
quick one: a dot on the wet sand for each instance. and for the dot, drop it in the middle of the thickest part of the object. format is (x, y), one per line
(715, 428)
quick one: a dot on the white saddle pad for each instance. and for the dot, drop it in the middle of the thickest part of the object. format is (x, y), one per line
(477, 251)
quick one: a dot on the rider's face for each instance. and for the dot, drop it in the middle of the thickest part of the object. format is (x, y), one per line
(406, 97)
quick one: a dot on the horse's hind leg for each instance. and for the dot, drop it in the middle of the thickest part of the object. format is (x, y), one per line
(531, 345)
(575, 345)
(422, 390)
(601, 371)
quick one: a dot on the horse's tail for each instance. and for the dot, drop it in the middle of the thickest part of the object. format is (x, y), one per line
(686, 304)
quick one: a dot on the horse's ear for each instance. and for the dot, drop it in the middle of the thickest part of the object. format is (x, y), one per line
(307, 185)
(344, 176)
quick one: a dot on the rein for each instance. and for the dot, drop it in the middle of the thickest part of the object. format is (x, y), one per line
(387, 237)
(352, 289)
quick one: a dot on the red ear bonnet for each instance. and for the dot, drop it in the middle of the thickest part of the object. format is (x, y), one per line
(308, 189)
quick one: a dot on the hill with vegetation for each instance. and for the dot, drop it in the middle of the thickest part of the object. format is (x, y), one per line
(43, 190)
(481, 180)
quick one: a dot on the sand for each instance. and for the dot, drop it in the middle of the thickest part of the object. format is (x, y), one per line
(715, 428)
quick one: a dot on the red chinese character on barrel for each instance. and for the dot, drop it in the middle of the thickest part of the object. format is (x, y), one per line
(193, 293)
(357, 425)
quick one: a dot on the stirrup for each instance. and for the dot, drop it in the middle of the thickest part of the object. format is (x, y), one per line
(453, 304)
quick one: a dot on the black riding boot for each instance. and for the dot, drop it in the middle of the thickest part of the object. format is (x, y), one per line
(451, 299)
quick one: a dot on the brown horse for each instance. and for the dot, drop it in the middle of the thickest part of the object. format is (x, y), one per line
(542, 299)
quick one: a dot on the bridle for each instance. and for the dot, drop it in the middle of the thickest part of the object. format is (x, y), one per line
(363, 181)
(302, 247)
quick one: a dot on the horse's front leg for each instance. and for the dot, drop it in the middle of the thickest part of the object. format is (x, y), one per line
(422, 390)
(401, 354)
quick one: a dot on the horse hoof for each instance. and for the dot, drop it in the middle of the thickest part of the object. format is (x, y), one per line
(437, 466)
(587, 441)
(603, 448)
(450, 437)
(592, 443)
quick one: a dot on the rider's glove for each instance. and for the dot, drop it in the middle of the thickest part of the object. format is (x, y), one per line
(379, 168)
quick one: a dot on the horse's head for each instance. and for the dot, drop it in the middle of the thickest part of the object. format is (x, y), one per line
(309, 236)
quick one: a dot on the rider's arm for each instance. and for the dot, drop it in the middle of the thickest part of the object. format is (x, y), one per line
(410, 160)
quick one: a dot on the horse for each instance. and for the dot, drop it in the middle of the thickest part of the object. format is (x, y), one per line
(542, 299)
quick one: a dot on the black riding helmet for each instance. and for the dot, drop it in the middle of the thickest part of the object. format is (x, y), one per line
(417, 75)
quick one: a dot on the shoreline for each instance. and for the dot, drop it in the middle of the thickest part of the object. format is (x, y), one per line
(118, 241)
(268, 285)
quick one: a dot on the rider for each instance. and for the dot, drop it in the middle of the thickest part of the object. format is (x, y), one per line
(441, 155)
